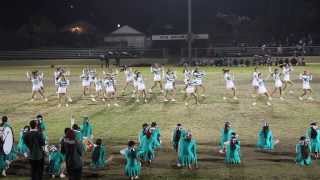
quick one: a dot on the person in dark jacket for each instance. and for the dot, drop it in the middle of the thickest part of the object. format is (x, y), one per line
(72, 150)
(35, 143)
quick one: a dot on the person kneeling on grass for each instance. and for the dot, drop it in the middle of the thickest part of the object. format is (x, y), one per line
(233, 150)
(56, 162)
(187, 151)
(265, 138)
(133, 165)
(303, 152)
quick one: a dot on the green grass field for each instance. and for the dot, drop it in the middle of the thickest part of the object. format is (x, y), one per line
(288, 119)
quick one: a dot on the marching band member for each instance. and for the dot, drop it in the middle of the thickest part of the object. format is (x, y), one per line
(156, 135)
(85, 81)
(110, 91)
(22, 148)
(226, 134)
(233, 150)
(198, 81)
(86, 128)
(303, 152)
(63, 84)
(187, 151)
(286, 70)
(141, 87)
(56, 162)
(170, 85)
(262, 90)
(98, 156)
(158, 73)
(177, 134)
(306, 77)
(313, 133)
(133, 165)
(255, 83)
(147, 147)
(36, 85)
(266, 140)
(276, 75)
(143, 131)
(191, 91)
(229, 83)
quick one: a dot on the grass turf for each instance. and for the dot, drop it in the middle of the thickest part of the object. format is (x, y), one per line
(288, 119)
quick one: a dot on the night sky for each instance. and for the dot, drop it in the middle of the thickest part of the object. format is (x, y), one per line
(141, 14)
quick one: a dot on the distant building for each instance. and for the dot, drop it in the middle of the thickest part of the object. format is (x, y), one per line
(126, 36)
(80, 27)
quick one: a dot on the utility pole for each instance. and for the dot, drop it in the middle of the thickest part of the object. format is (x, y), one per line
(190, 38)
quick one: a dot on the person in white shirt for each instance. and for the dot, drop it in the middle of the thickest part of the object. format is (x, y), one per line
(286, 70)
(140, 87)
(276, 76)
(170, 85)
(262, 90)
(197, 77)
(36, 85)
(306, 77)
(129, 76)
(99, 89)
(229, 79)
(190, 92)
(158, 73)
(254, 82)
(63, 84)
(110, 91)
(85, 81)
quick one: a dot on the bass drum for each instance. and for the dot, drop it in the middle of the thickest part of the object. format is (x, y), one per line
(6, 136)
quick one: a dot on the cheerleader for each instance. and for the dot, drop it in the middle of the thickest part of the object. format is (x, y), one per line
(177, 134)
(255, 83)
(233, 150)
(141, 87)
(303, 152)
(147, 147)
(198, 80)
(262, 90)
(36, 85)
(41, 79)
(170, 85)
(313, 133)
(129, 74)
(187, 151)
(98, 156)
(229, 83)
(110, 92)
(158, 73)
(191, 92)
(92, 77)
(63, 84)
(306, 77)
(86, 129)
(225, 136)
(156, 135)
(143, 131)
(99, 89)
(276, 75)
(133, 165)
(22, 148)
(56, 162)
(265, 138)
(85, 81)
(286, 70)
(187, 73)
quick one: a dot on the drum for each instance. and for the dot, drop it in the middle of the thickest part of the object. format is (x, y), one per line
(7, 139)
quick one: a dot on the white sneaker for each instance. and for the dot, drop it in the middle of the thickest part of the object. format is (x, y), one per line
(165, 100)
(301, 98)
(281, 98)
(93, 100)
(67, 105)
(137, 100)
(186, 104)
(235, 98)
(136, 177)
(291, 92)
(224, 98)
(173, 100)
(45, 100)
(108, 105)
(31, 100)
(145, 101)
(133, 96)
(150, 90)
(162, 91)
(254, 103)
(268, 103)
(178, 165)
(270, 98)
(203, 95)
(310, 98)
(116, 105)
(53, 176)
(70, 100)
(4, 173)
(62, 175)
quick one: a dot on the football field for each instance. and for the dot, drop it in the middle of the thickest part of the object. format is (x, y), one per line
(116, 125)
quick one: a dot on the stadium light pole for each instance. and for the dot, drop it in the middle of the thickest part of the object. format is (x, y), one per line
(190, 30)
